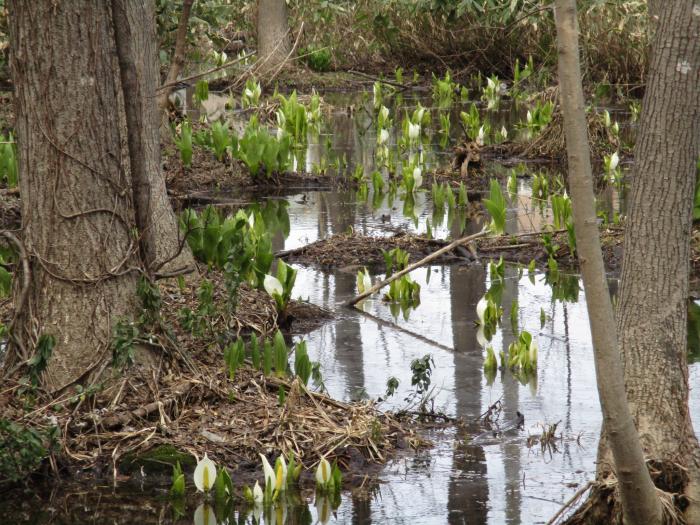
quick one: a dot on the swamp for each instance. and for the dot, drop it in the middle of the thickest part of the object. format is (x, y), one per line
(305, 261)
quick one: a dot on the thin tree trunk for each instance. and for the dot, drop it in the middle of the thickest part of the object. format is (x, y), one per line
(640, 503)
(135, 35)
(77, 215)
(274, 43)
(653, 296)
(178, 58)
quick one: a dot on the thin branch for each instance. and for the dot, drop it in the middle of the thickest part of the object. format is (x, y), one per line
(411, 267)
(178, 59)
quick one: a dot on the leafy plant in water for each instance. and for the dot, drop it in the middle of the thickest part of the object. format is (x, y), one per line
(221, 139)
(281, 355)
(8, 160)
(317, 58)
(561, 210)
(177, 488)
(538, 117)
(492, 92)
(540, 188)
(364, 281)
(421, 371)
(257, 148)
(292, 118)
(183, 141)
(443, 91)
(395, 259)
(23, 449)
(280, 287)
(471, 122)
(496, 206)
(251, 93)
(302, 363)
(522, 353)
(201, 90)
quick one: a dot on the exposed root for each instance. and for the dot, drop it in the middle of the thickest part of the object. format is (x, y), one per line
(603, 502)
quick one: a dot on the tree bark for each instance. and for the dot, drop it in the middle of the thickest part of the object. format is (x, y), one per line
(652, 308)
(77, 214)
(178, 58)
(274, 43)
(135, 35)
(640, 503)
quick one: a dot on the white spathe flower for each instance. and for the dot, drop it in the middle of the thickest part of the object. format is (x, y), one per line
(205, 474)
(614, 161)
(480, 136)
(251, 220)
(504, 132)
(606, 118)
(204, 515)
(364, 281)
(281, 474)
(268, 472)
(533, 352)
(419, 114)
(323, 509)
(528, 117)
(481, 309)
(383, 136)
(417, 177)
(272, 285)
(491, 84)
(481, 336)
(280, 133)
(413, 131)
(248, 93)
(384, 113)
(258, 495)
(323, 472)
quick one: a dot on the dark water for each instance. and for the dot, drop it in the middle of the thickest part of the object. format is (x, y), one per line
(496, 481)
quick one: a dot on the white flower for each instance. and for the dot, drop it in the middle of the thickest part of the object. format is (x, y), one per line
(614, 161)
(606, 118)
(413, 131)
(323, 472)
(364, 281)
(257, 494)
(273, 287)
(504, 132)
(384, 113)
(268, 472)
(204, 515)
(481, 336)
(248, 93)
(491, 84)
(280, 133)
(281, 474)
(419, 114)
(205, 474)
(480, 136)
(533, 352)
(383, 136)
(417, 177)
(528, 117)
(481, 309)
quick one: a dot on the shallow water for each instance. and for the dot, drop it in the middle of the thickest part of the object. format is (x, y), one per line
(499, 480)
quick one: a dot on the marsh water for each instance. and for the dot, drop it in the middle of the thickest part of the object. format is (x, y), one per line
(492, 480)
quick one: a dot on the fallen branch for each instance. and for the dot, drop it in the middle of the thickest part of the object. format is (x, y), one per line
(411, 267)
(382, 80)
(205, 73)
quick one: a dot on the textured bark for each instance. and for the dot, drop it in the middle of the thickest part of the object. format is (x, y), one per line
(178, 59)
(135, 34)
(652, 308)
(640, 503)
(273, 34)
(77, 215)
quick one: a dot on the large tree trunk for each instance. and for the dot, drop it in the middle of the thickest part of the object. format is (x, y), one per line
(77, 214)
(652, 308)
(135, 33)
(273, 35)
(640, 503)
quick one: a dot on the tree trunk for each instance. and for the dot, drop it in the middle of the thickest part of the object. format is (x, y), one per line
(134, 23)
(640, 503)
(273, 35)
(653, 297)
(178, 58)
(77, 213)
